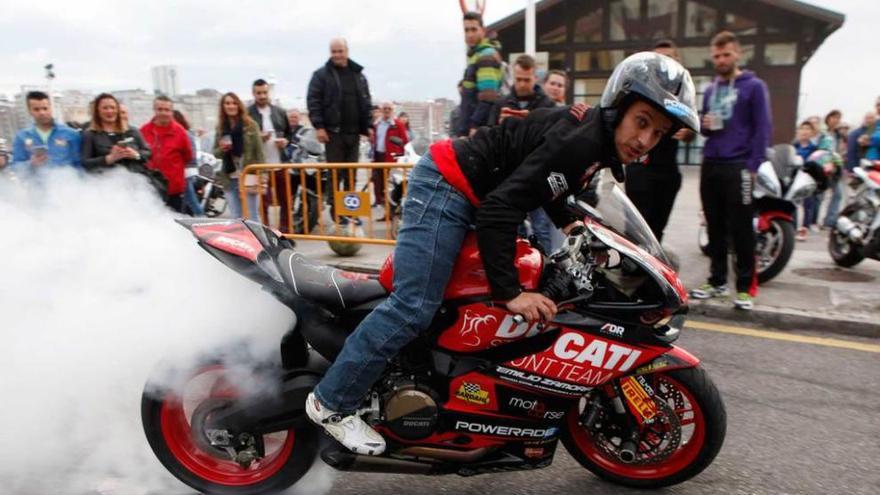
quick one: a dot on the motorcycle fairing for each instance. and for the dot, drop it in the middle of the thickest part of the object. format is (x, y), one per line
(468, 278)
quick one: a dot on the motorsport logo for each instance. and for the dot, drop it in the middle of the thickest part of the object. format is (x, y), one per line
(352, 201)
(505, 431)
(541, 382)
(473, 393)
(534, 408)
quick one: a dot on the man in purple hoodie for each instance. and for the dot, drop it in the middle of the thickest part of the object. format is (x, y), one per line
(736, 123)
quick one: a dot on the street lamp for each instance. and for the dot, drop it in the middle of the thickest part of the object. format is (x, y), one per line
(50, 75)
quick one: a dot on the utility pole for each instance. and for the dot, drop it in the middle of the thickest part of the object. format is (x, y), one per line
(530, 27)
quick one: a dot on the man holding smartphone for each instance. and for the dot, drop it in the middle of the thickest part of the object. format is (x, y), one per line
(46, 143)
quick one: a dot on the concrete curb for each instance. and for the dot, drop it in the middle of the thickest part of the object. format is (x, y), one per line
(787, 319)
(780, 319)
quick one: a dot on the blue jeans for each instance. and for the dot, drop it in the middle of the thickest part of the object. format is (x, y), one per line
(834, 204)
(542, 228)
(190, 199)
(436, 218)
(811, 211)
(233, 199)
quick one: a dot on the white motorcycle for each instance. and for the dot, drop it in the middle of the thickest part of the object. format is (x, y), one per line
(856, 234)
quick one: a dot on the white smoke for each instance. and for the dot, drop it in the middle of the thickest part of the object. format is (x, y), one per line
(98, 285)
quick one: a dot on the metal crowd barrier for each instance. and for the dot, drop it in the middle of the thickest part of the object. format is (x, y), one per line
(279, 182)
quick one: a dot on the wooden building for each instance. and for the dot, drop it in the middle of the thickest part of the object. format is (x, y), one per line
(588, 38)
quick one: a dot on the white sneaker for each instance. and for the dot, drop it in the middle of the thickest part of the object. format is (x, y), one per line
(351, 431)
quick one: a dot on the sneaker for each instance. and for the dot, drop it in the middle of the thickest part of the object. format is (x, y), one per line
(708, 291)
(801, 234)
(351, 431)
(743, 301)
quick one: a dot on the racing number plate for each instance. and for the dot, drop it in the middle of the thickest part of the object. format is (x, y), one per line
(639, 400)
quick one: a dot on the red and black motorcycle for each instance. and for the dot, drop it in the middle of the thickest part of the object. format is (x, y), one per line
(481, 392)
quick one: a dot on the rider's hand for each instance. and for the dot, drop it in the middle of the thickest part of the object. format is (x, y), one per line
(532, 306)
(323, 138)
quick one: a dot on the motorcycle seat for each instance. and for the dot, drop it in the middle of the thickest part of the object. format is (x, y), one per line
(325, 285)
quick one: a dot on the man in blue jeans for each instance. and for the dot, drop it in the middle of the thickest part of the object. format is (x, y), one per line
(493, 179)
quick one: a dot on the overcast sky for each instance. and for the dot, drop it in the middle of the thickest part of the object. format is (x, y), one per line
(412, 50)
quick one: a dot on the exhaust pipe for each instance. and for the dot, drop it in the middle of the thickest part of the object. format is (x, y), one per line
(344, 460)
(627, 453)
(849, 228)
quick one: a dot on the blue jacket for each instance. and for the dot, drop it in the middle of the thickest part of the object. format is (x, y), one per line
(63, 147)
(853, 151)
(874, 147)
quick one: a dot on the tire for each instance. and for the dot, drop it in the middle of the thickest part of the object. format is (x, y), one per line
(785, 231)
(844, 252)
(686, 461)
(289, 455)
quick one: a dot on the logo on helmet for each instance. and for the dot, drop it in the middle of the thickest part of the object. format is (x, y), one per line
(676, 107)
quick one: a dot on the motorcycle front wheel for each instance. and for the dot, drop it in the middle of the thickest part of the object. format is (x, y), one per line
(843, 251)
(774, 248)
(175, 411)
(682, 441)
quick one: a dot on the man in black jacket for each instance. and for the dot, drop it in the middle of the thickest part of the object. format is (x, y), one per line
(526, 94)
(339, 107)
(276, 134)
(492, 180)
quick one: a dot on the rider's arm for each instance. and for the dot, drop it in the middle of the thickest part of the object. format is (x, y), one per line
(544, 177)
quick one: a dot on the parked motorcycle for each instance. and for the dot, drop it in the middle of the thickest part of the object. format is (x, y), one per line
(781, 183)
(481, 392)
(209, 193)
(856, 234)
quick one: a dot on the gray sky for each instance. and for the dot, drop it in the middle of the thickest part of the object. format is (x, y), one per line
(412, 50)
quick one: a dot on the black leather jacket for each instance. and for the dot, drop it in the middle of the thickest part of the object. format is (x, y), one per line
(324, 98)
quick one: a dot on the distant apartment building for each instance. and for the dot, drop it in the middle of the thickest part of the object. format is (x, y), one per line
(8, 126)
(428, 118)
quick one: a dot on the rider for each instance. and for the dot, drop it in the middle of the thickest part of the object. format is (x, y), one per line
(492, 180)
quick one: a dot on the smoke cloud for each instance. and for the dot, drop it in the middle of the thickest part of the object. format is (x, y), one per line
(99, 284)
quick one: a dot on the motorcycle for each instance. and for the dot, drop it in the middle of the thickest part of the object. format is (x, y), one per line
(482, 391)
(781, 183)
(305, 148)
(209, 193)
(856, 234)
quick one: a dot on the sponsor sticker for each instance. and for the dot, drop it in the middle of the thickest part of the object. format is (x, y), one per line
(638, 399)
(471, 326)
(540, 382)
(612, 329)
(504, 431)
(598, 353)
(534, 408)
(652, 366)
(534, 452)
(473, 393)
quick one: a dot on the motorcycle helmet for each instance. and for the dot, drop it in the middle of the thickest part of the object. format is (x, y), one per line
(656, 79)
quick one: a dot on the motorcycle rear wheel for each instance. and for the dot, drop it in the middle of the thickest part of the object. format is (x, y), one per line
(168, 413)
(700, 413)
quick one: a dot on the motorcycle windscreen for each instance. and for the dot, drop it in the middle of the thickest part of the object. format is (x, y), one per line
(615, 211)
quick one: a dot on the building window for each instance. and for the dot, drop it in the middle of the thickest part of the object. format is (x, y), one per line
(588, 29)
(742, 26)
(696, 57)
(556, 61)
(780, 53)
(588, 90)
(662, 21)
(700, 20)
(625, 22)
(552, 36)
(748, 55)
(598, 60)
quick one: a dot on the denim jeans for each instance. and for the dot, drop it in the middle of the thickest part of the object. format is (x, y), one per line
(542, 228)
(190, 200)
(834, 204)
(436, 218)
(811, 210)
(233, 199)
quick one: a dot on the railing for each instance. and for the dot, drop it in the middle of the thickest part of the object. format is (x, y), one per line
(311, 183)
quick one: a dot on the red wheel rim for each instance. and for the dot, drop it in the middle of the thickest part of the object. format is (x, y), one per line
(683, 456)
(175, 420)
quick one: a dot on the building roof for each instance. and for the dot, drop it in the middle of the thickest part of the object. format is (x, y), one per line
(833, 19)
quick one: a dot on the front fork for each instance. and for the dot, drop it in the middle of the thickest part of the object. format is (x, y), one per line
(632, 406)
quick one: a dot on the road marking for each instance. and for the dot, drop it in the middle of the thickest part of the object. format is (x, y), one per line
(764, 334)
